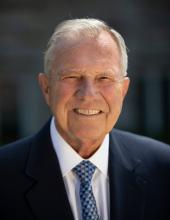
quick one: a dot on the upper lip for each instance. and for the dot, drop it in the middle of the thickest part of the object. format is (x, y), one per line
(87, 111)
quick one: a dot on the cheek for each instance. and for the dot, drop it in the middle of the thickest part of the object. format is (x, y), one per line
(113, 97)
(60, 95)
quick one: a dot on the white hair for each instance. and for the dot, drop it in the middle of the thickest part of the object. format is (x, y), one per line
(86, 27)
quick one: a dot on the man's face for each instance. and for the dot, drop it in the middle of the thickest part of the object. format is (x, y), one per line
(85, 89)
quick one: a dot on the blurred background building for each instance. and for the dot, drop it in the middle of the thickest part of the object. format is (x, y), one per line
(25, 27)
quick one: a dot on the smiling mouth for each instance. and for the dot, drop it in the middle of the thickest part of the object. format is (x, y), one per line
(87, 112)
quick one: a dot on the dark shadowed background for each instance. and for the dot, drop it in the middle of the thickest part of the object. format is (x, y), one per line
(25, 27)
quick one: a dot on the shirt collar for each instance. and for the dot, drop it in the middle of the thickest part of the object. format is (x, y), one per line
(69, 158)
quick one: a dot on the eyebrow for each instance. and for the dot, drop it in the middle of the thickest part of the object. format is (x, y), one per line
(70, 71)
(80, 71)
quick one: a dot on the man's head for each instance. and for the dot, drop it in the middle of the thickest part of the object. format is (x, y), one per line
(85, 81)
(78, 29)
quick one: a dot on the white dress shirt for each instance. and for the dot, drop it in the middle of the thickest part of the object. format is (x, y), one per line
(68, 159)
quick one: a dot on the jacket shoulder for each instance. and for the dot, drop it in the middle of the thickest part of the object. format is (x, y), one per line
(21, 147)
(15, 153)
(136, 137)
(146, 148)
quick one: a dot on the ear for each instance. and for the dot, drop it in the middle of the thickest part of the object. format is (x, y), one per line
(44, 85)
(125, 86)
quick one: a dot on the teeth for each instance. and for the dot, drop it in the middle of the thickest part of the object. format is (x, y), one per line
(87, 111)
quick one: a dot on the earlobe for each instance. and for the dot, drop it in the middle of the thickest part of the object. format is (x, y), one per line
(44, 85)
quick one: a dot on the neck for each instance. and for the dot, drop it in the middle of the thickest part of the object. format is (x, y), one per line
(85, 148)
(86, 151)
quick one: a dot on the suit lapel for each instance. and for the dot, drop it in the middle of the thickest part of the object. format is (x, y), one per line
(127, 186)
(46, 196)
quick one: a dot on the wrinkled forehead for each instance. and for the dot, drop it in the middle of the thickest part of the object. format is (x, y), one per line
(87, 53)
(103, 40)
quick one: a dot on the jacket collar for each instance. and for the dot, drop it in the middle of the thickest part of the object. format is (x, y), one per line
(127, 186)
(46, 195)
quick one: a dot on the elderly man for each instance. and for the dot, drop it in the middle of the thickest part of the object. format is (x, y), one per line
(78, 167)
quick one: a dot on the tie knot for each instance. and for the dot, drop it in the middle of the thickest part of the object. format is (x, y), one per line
(85, 171)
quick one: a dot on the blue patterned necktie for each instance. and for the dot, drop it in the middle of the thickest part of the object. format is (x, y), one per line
(85, 171)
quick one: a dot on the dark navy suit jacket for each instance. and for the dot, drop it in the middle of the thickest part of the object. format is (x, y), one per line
(31, 184)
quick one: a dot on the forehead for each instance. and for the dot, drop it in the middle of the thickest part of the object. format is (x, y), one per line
(86, 52)
(103, 41)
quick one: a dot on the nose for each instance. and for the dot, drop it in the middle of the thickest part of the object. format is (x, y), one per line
(87, 89)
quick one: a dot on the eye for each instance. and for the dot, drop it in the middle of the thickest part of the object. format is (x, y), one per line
(104, 78)
(71, 78)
